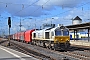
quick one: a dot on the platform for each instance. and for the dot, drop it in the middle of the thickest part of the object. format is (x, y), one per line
(9, 54)
(80, 42)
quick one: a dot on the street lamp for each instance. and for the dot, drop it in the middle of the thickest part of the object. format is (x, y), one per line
(51, 20)
(35, 22)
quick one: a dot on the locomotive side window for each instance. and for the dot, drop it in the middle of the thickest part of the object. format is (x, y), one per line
(46, 35)
(34, 35)
(52, 33)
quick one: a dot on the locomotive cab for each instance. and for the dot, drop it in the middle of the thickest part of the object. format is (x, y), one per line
(61, 39)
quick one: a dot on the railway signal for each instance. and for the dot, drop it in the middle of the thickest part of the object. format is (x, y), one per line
(9, 24)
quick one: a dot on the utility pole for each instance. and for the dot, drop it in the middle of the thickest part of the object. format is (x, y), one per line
(35, 24)
(20, 25)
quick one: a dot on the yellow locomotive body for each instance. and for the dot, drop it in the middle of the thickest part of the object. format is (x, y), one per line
(61, 39)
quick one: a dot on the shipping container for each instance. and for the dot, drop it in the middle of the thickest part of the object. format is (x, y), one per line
(28, 36)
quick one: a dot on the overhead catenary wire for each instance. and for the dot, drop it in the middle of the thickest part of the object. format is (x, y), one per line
(40, 7)
(71, 9)
(15, 3)
(23, 7)
(63, 7)
(37, 8)
(31, 5)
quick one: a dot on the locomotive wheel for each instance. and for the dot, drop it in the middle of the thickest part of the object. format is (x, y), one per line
(47, 47)
(50, 47)
(54, 49)
(44, 45)
(34, 42)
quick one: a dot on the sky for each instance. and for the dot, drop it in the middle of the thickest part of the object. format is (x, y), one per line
(38, 12)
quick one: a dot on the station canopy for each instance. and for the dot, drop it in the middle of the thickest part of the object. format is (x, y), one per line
(79, 26)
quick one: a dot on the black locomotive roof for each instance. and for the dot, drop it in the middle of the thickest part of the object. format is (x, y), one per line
(48, 28)
(62, 27)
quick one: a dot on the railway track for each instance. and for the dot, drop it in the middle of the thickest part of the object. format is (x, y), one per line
(78, 52)
(31, 52)
(39, 52)
(47, 54)
(64, 55)
(77, 55)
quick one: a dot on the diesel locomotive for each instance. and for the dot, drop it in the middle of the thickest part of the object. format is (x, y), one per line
(53, 38)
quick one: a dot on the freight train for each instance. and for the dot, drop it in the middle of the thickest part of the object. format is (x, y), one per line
(56, 38)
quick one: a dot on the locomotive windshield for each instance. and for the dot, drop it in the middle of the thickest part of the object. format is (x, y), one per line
(65, 32)
(58, 33)
(62, 31)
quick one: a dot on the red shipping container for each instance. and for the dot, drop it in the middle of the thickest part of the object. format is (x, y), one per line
(28, 35)
(15, 36)
(18, 36)
(22, 36)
